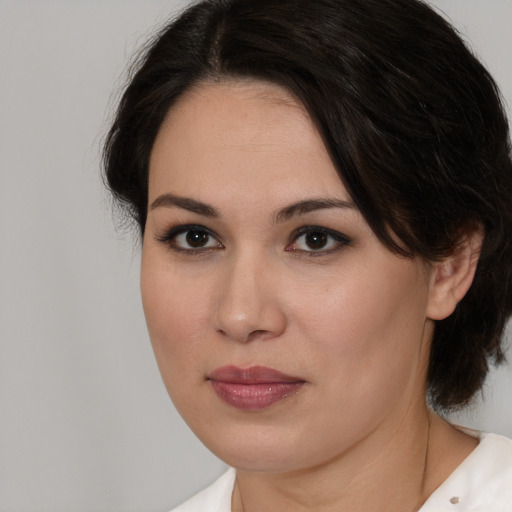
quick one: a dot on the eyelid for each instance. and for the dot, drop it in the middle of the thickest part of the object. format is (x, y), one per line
(169, 235)
(340, 239)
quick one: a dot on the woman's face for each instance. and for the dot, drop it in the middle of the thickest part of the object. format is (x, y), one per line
(285, 332)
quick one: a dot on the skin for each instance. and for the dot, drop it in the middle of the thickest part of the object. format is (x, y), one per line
(351, 319)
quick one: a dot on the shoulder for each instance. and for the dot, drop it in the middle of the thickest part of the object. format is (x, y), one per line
(214, 498)
(482, 483)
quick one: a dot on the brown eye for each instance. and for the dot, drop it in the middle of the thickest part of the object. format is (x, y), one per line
(316, 240)
(197, 239)
(191, 238)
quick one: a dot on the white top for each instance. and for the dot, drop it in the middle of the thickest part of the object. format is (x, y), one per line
(482, 483)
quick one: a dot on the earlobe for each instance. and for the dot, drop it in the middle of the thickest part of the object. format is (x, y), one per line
(451, 278)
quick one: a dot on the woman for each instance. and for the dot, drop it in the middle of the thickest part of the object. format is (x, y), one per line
(324, 193)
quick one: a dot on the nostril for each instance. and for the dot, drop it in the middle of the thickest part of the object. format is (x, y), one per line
(252, 335)
(258, 333)
(246, 313)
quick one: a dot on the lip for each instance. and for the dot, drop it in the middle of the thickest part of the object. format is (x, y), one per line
(254, 388)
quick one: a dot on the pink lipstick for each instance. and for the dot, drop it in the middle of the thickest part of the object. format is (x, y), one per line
(253, 388)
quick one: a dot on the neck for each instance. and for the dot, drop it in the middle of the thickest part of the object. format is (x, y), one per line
(393, 473)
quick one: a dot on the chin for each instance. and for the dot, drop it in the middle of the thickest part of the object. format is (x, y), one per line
(258, 449)
(257, 459)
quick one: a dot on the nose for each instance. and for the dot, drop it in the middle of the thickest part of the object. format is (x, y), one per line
(248, 305)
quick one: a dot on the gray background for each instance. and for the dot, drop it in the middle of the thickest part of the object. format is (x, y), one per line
(85, 423)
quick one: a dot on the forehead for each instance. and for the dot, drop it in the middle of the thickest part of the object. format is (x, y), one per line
(254, 137)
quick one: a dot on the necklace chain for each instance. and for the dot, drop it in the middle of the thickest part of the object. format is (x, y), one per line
(424, 468)
(240, 493)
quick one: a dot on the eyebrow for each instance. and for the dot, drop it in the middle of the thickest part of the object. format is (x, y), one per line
(286, 213)
(170, 200)
(310, 205)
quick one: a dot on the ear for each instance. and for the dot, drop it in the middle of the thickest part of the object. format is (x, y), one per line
(452, 277)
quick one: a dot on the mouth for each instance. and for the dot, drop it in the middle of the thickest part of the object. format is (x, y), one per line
(253, 388)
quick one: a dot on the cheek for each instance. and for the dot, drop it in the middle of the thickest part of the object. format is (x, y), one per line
(176, 310)
(367, 328)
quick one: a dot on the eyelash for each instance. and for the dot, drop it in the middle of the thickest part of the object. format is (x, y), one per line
(169, 238)
(340, 240)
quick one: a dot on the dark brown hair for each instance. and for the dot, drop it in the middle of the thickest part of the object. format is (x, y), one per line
(412, 121)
